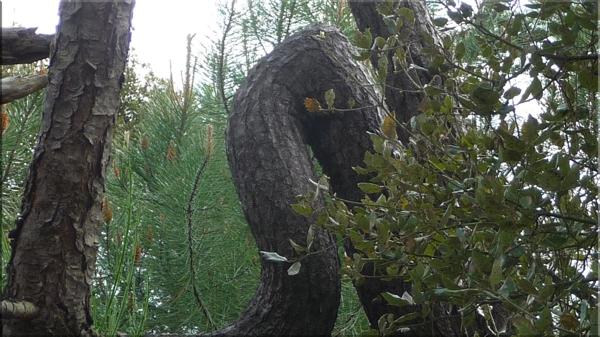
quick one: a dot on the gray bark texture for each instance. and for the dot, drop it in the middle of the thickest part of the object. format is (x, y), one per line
(269, 136)
(55, 241)
(23, 45)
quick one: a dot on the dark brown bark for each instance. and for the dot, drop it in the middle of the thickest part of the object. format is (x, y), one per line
(23, 45)
(399, 94)
(55, 242)
(17, 87)
(269, 136)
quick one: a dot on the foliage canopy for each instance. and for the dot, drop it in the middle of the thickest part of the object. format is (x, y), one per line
(493, 201)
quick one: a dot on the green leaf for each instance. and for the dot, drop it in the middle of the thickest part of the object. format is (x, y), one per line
(544, 322)
(508, 287)
(466, 10)
(589, 80)
(382, 69)
(594, 330)
(364, 39)
(512, 92)
(432, 90)
(496, 274)
(397, 301)
(526, 286)
(524, 327)
(525, 201)
(440, 21)
(407, 14)
(273, 257)
(447, 214)
(459, 51)
(310, 237)
(294, 268)
(500, 7)
(535, 89)
(391, 25)
(455, 16)
(329, 98)
(302, 209)
(369, 188)
(297, 248)
(379, 42)
(546, 292)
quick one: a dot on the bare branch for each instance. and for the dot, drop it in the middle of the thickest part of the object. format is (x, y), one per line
(22, 45)
(17, 87)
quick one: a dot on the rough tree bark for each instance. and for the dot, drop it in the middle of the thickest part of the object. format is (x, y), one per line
(55, 242)
(269, 136)
(23, 45)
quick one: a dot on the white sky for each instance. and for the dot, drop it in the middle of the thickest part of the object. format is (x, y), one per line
(159, 27)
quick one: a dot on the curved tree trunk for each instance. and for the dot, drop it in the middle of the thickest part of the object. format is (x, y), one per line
(269, 136)
(55, 242)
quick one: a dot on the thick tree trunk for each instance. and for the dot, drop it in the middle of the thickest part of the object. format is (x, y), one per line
(55, 242)
(23, 45)
(269, 136)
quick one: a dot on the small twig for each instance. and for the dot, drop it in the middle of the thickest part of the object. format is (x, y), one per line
(221, 63)
(566, 217)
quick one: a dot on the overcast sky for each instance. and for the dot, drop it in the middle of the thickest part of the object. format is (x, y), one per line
(159, 27)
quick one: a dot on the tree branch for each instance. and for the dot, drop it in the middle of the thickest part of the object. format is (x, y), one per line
(221, 61)
(22, 45)
(18, 310)
(17, 87)
(189, 215)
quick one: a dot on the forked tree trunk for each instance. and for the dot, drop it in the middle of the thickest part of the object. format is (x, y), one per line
(55, 242)
(269, 136)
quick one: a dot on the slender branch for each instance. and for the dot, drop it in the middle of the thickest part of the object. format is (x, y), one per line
(567, 217)
(190, 213)
(17, 87)
(18, 310)
(221, 65)
(557, 57)
(290, 17)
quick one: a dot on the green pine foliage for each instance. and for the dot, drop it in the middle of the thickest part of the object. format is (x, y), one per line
(170, 286)
(20, 122)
